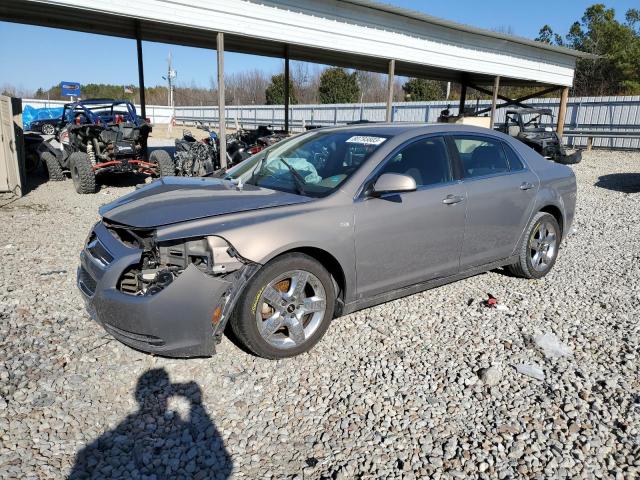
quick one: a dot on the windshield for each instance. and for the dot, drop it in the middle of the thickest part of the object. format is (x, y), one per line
(312, 164)
(533, 121)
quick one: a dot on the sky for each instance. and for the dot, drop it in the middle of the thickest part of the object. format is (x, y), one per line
(44, 57)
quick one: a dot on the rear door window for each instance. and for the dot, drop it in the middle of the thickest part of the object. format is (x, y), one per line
(481, 156)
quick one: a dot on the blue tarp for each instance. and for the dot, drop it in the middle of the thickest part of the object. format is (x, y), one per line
(29, 114)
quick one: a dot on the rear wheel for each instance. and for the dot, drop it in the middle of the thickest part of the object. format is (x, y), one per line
(48, 129)
(539, 248)
(82, 173)
(166, 165)
(286, 309)
(53, 166)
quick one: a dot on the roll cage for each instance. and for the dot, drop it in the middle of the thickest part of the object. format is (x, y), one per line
(100, 111)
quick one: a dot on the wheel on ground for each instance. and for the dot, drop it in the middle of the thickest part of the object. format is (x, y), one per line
(539, 248)
(166, 165)
(286, 308)
(82, 173)
(53, 166)
(570, 158)
(48, 129)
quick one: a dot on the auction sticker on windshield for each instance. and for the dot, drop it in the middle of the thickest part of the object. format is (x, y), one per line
(366, 140)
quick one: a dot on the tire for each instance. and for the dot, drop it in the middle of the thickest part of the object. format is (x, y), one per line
(53, 167)
(82, 174)
(253, 310)
(546, 249)
(166, 165)
(48, 129)
(570, 159)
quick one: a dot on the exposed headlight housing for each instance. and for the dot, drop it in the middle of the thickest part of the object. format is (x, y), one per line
(163, 263)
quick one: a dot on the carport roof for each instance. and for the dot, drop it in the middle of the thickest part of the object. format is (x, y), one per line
(360, 34)
(406, 12)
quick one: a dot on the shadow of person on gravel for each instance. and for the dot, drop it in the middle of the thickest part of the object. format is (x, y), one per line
(157, 443)
(620, 182)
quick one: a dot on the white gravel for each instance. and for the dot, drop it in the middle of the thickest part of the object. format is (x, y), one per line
(401, 390)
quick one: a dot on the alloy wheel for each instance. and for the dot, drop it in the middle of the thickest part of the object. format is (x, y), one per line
(290, 309)
(543, 245)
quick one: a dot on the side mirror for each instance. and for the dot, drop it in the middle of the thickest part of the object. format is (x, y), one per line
(393, 183)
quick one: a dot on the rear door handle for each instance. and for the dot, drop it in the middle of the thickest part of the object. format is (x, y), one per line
(526, 186)
(451, 199)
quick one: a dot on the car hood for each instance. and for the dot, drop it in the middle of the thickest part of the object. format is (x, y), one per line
(177, 199)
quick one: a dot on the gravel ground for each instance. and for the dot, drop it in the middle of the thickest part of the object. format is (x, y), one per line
(430, 385)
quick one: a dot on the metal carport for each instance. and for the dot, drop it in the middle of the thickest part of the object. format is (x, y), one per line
(360, 34)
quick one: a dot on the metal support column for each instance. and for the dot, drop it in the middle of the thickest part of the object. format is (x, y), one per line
(390, 82)
(463, 98)
(564, 98)
(286, 88)
(143, 103)
(494, 100)
(222, 134)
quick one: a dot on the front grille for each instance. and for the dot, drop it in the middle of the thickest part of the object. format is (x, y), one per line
(99, 252)
(86, 282)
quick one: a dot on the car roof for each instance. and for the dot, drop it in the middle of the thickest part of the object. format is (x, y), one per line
(399, 128)
(91, 101)
(98, 101)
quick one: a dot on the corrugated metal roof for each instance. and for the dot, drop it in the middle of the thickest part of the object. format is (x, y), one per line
(413, 14)
(350, 33)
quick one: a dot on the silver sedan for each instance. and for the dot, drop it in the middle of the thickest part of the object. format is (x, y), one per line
(318, 226)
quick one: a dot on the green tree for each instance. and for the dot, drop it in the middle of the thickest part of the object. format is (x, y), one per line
(421, 90)
(547, 35)
(617, 45)
(275, 91)
(338, 86)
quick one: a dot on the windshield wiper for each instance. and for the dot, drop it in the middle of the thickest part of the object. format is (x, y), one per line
(258, 169)
(297, 178)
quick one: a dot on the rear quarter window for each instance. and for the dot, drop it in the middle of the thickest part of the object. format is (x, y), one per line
(515, 164)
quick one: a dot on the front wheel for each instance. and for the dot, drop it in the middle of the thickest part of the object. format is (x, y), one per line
(539, 248)
(286, 309)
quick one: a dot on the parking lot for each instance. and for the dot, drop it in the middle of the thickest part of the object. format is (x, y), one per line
(393, 391)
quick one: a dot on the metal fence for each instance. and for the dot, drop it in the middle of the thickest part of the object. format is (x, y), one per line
(609, 116)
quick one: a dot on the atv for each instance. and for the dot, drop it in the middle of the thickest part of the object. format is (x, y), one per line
(98, 136)
(532, 127)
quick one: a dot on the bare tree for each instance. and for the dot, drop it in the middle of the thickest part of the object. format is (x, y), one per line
(373, 86)
(306, 78)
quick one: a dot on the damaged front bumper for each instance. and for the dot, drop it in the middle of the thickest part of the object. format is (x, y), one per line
(185, 319)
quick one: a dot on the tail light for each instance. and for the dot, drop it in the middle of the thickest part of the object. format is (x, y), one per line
(256, 149)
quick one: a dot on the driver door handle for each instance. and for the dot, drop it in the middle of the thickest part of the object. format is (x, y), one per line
(526, 186)
(451, 199)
